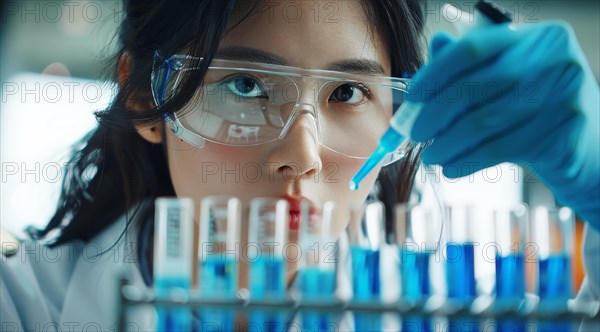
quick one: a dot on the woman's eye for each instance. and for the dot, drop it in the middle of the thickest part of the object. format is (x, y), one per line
(349, 93)
(247, 87)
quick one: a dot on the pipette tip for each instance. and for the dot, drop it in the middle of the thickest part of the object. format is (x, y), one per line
(353, 185)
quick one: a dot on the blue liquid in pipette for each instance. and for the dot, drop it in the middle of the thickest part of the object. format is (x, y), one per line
(172, 319)
(554, 278)
(218, 277)
(365, 274)
(460, 271)
(267, 279)
(414, 269)
(510, 277)
(388, 143)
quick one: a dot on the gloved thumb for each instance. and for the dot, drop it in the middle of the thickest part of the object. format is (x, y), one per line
(438, 42)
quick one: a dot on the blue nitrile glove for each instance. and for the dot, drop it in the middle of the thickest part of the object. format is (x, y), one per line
(524, 95)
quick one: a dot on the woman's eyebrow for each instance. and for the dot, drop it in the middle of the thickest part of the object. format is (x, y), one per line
(240, 53)
(355, 66)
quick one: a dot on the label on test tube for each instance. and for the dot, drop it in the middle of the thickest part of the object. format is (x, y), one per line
(173, 238)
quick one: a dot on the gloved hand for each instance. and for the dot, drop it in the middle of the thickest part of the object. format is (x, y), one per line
(524, 95)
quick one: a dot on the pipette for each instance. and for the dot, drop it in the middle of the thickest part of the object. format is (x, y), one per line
(401, 123)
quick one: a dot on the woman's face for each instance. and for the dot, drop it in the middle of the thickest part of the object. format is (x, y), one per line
(303, 34)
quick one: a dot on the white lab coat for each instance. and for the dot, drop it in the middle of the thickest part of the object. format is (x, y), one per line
(70, 288)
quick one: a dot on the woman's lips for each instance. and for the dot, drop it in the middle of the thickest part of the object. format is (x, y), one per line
(294, 203)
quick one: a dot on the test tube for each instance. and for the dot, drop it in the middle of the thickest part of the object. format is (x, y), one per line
(417, 233)
(417, 236)
(317, 271)
(366, 233)
(269, 222)
(173, 255)
(220, 222)
(510, 226)
(460, 255)
(218, 255)
(553, 236)
(460, 264)
(319, 248)
(509, 234)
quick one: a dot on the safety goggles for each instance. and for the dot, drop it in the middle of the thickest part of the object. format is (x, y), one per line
(244, 103)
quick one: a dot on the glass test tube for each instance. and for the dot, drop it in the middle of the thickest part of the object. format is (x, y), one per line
(317, 274)
(417, 237)
(219, 247)
(460, 254)
(218, 259)
(269, 222)
(318, 269)
(173, 241)
(366, 233)
(417, 234)
(510, 227)
(510, 235)
(553, 235)
(460, 264)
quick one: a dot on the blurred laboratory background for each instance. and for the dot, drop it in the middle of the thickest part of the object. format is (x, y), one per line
(54, 76)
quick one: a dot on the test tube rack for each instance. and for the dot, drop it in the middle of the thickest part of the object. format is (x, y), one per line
(527, 310)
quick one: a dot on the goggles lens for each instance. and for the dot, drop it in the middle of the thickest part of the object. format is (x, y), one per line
(245, 103)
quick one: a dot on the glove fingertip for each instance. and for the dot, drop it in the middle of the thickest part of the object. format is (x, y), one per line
(438, 42)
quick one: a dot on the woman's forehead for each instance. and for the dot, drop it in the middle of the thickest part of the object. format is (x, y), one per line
(308, 34)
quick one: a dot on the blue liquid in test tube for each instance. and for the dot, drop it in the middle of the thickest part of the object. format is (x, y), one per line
(555, 278)
(460, 271)
(554, 236)
(270, 271)
(510, 288)
(365, 274)
(415, 286)
(172, 319)
(415, 274)
(510, 277)
(219, 277)
(317, 285)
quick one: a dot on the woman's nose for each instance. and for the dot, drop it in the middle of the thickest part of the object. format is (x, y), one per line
(297, 154)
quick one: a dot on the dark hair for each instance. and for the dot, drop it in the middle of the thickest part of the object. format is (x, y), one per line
(114, 169)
